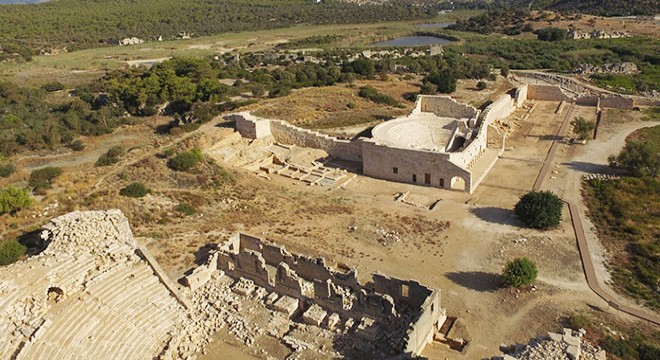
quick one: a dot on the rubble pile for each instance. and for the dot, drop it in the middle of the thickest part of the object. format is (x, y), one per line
(568, 345)
(601, 177)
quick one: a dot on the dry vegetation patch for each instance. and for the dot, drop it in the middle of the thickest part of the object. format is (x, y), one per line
(339, 106)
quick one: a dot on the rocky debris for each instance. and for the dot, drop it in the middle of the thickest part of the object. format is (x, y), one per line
(601, 177)
(244, 287)
(568, 345)
(295, 344)
(627, 68)
(387, 236)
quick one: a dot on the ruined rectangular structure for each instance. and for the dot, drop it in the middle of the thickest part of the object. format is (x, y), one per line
(395, 317)
(441, 143)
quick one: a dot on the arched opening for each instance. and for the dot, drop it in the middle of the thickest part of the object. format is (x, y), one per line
(55, 294)
(457, 183)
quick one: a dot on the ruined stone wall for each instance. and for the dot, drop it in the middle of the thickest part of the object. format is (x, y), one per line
(250, 126)
(285, 133)
(546, 93)
(337, 291)
(591, 100)
(521, 95)
(445, 106)
(380, 162)
(499, 109)
(430, 320)
(616, 102)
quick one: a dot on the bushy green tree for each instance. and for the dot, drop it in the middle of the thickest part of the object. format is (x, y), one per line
(582, 127)
(519, 272)
(12, 198)
(42, 178)
(551, 34)
(445, 80)
(638, 158)
(481, 85)
(134, 190)
(10, 252)
(539, 210)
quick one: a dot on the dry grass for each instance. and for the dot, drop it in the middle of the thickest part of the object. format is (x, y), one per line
(338, 106)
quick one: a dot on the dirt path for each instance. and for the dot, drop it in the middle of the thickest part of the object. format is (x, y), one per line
(593, 159)
(591, 274)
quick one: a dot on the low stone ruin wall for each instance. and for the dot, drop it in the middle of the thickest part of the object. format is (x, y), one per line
(546, 93)
(403, 307)
(286, 133)
(616, 102)
(444, 106)
(252, 127)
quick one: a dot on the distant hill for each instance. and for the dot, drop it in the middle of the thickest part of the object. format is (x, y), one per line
(76, 24)
(609, 7)
(595, 7)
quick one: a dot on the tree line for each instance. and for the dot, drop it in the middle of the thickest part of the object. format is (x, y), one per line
(77, 24)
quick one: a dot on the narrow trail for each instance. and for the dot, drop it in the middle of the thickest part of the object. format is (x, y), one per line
(571, 198)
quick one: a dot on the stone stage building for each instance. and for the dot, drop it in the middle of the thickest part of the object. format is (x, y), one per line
(441, 143)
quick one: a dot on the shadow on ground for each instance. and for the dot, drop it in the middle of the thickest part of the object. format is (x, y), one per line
(476, 280)
(202, 254)
(591, 168)
(496, 215)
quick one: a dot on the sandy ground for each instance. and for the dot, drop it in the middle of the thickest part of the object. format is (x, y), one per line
(459, 247)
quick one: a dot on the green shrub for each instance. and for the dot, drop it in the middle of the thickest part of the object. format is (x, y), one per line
(551, 34)
(428, 88)
(372, 94)
(481, 85)
(539, 210)
(134, 190)
(185, 209)
(77, 145)
(111, 157)
(12, 198)
(43, 178)
(115, 151)
(53, 86)
(185, 160)
(519, 272)
(7, 169)
(10, 252)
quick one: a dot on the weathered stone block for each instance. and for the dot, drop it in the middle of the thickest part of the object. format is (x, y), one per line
(287, 305)
(314, 315)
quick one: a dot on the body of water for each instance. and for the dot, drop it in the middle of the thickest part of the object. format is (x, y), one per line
(413, 41)
(436, 25)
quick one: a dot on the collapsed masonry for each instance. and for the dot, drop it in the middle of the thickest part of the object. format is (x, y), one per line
(390, 318)
(441, 143)
(89, 294)
(568, 345)
(94, 290)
